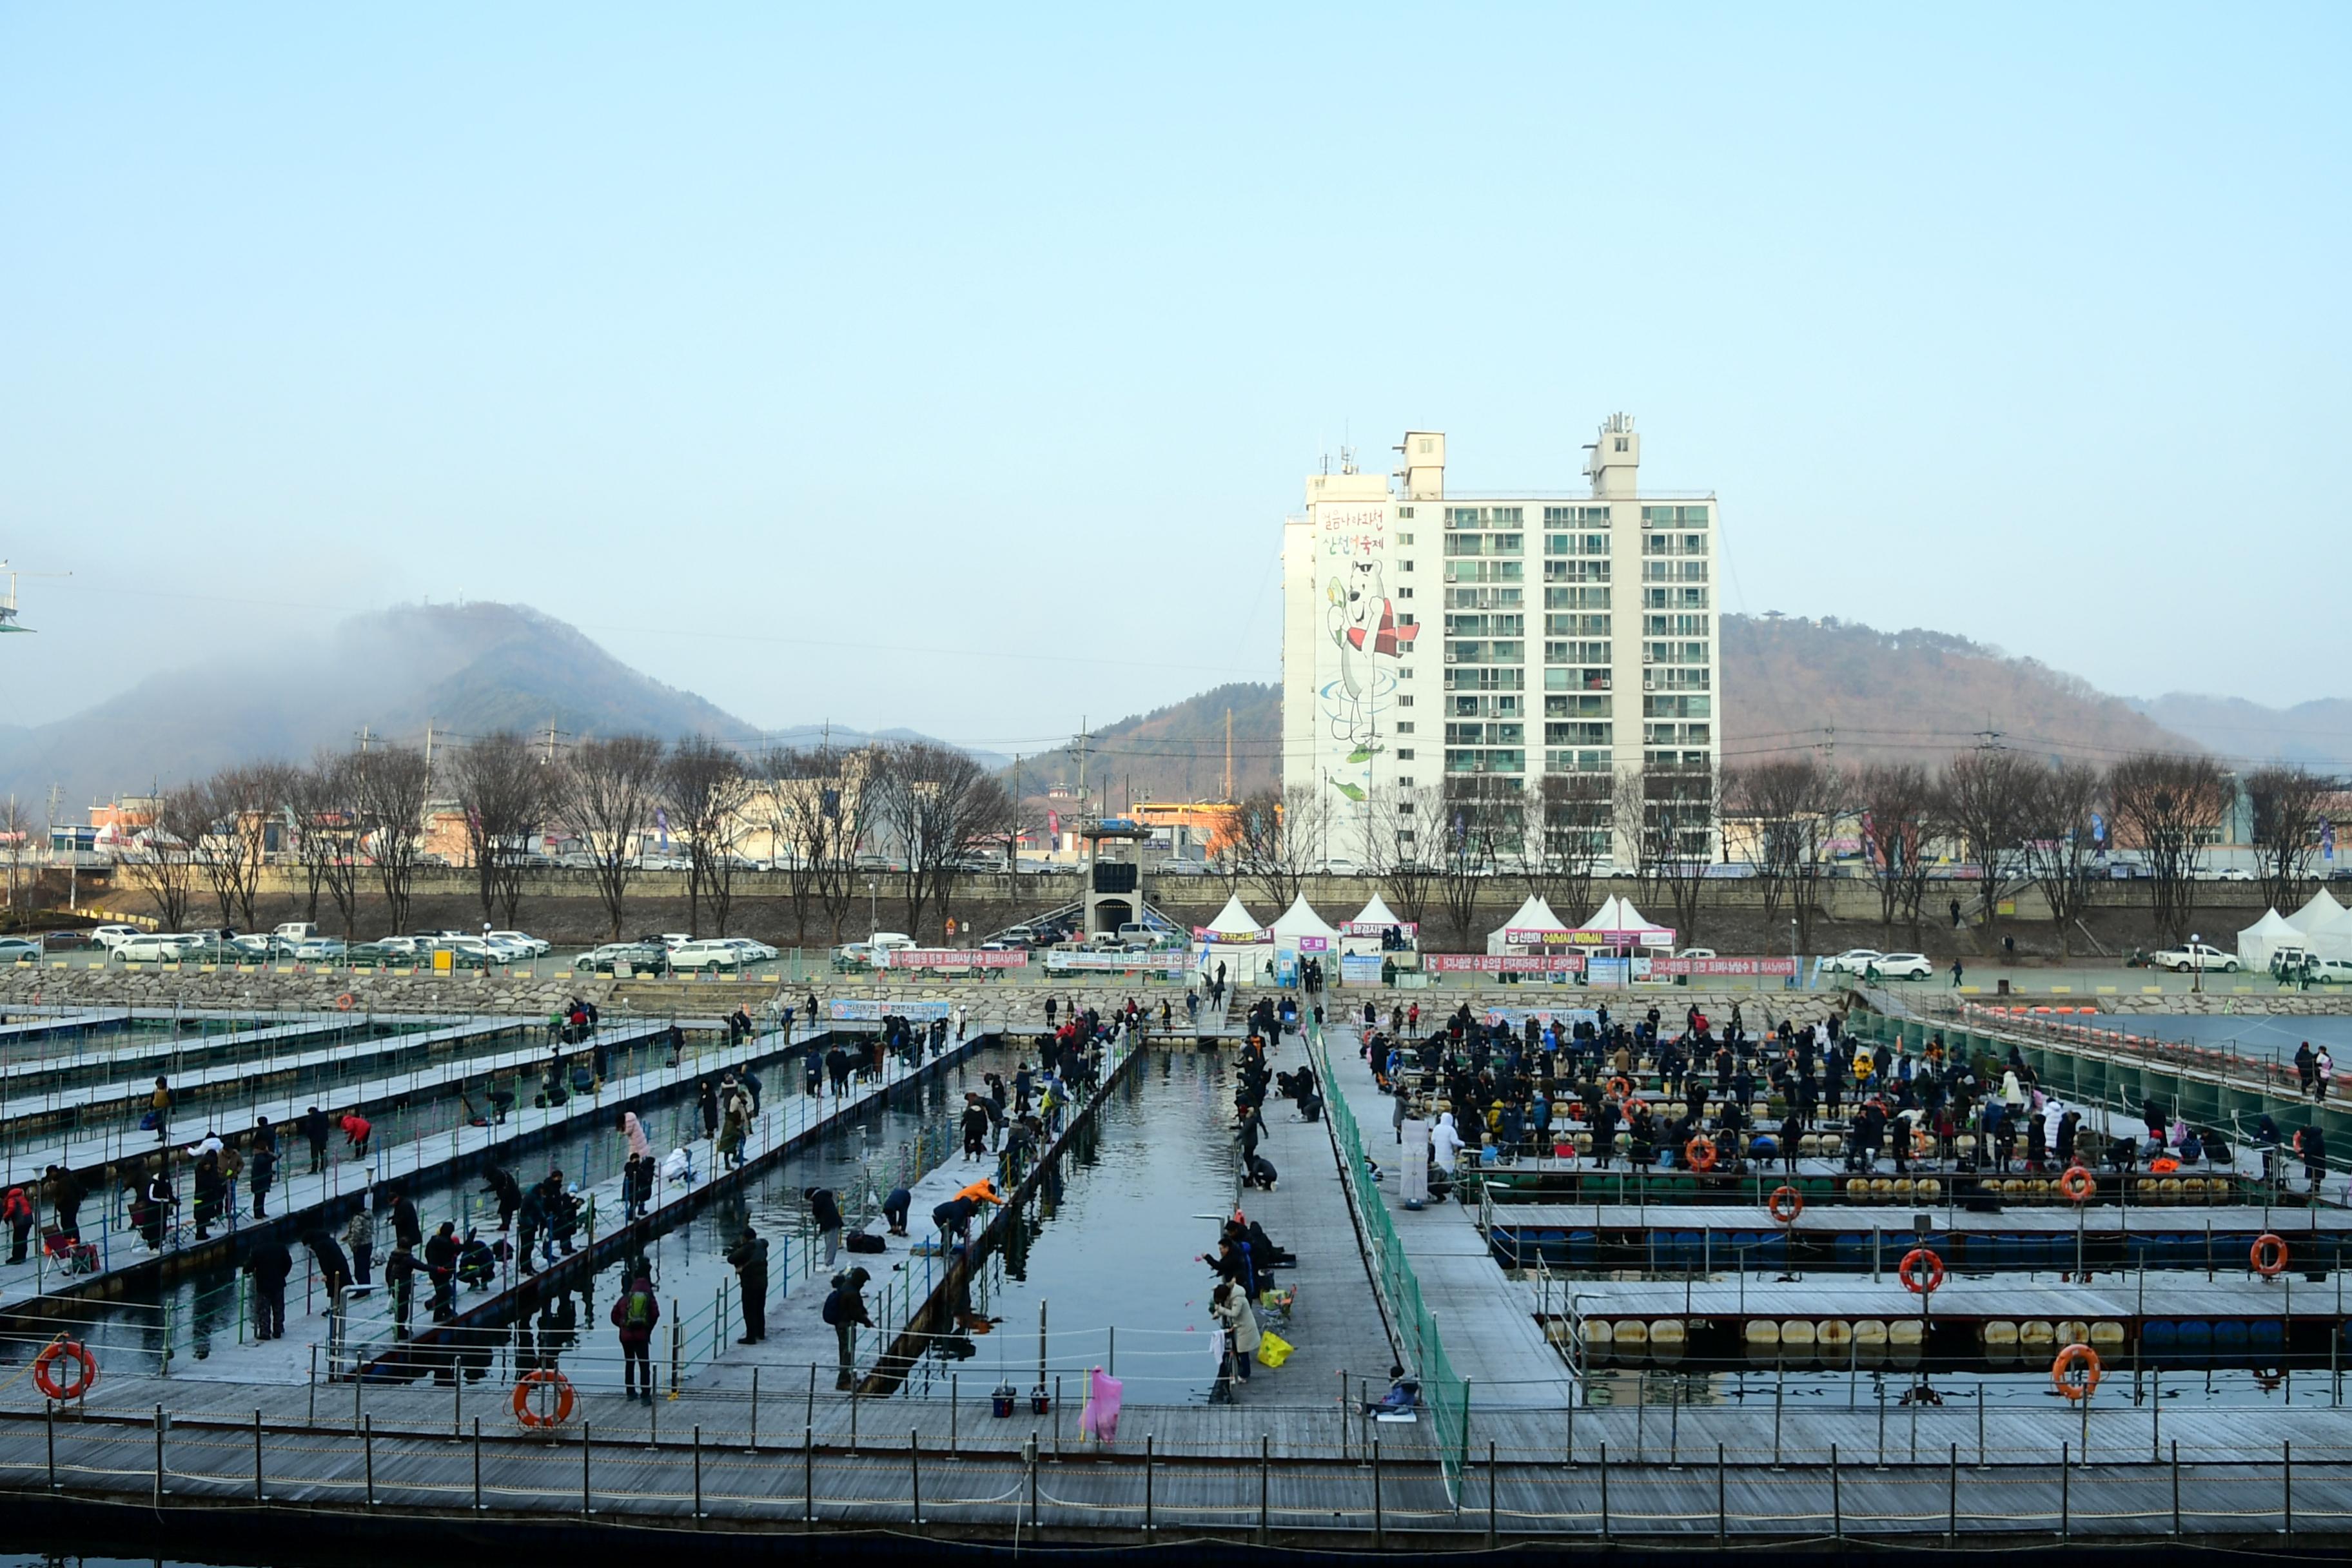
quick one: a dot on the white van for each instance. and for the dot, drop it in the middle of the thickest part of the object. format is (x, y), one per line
(296, 930)
(155, 947)
(710, 954)
(889, 940)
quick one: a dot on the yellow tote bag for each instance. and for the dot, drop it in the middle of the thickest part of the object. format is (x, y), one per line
(1273, 1350)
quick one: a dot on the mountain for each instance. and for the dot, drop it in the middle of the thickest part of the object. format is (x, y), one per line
(1176, 752)
(2318, 733)
(465, 669)
(1910, 696)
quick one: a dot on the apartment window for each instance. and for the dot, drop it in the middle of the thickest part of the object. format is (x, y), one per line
(1404, 672)
(1576, 545)
(1404, 727)
(1404, 701)
(1404, 753)
(1486, 680)
(1404, 512)
(1404, 593)
(1404, 807)
(1576, 734)
(1581, 706)
(1404, 565)
(1576, 571)
(1674, 653)
(1673, 598)
(1674, 517)
(1428, 444)
(1405, 538)
(1623, 444)
(1587, 761)
(1676, 706)
(1576, 517)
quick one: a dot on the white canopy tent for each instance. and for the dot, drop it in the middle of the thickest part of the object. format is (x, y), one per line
(2317, 910)
(1623, 925)
(1533, 917)
(1234, 920)
(1236, 940)
(1300, 922)
(2333, 940)
(2258, 940)
(1365, 933)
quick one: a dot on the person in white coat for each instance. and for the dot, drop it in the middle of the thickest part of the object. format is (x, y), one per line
(1445, 1143)
(1231, 1310)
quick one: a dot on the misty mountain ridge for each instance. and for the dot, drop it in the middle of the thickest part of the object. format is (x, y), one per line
(2318, 733)
(462, 669)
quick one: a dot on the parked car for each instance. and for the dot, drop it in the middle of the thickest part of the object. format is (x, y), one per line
(320, 950)
(2330, 971)
(154, 947)
(529, 945)
(112, 937)
(16, 950)
(2195, 956)
(1852, 961)
(650, 957)
(1904, 966)
(378, 955)
(715, 953)
(754, 952)
(263, 949)
(852, 955)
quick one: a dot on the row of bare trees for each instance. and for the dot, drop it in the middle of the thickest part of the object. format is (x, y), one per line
(1445, 851)
(355, 822)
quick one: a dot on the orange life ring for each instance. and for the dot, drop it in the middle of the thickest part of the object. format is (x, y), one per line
(2163, 1165)
(1619, 1087)
(346, 1001)
(1785, 1204)
(73, 1353)
(2074, 1371)
(1700, 1152)
(2077, 1183)
(1921, 1271)
(526, 1405)
(2269, 1255)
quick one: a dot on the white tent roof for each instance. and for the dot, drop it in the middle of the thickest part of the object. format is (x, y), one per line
(2258, 940)
(2318, 911)
(1533, 915)
(1300, 920)
(1376, 914)
(1620, 915)
(2330, 940)
(1235, 921)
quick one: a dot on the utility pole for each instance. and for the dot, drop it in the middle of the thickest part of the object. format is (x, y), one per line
(365, 734)
(1229, 755)
(429, 759)
(1085, 740)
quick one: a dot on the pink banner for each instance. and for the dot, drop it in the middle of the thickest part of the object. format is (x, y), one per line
(1233, 938)
(1503, 963)
(1706, 966)
(953, 958)
(1313, 944)
(1535, 936)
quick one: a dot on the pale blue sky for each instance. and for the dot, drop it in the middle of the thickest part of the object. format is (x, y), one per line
(956, 369)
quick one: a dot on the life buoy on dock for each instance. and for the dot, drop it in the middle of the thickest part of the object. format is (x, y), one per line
(346, 1002)
(1700, 1152)
(1619, 1087)
(2269, 1255)
(2075, 1371)
(2077, 1183)
(1921, 1271)
(526, 1397)
(67, 1352)
(1785, 1204)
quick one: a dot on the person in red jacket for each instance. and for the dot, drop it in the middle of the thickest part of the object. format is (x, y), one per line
(635, 1313)
(356, 1129)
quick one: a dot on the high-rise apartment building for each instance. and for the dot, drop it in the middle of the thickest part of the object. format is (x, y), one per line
(1534, 674)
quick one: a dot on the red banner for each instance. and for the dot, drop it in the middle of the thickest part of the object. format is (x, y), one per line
(953, 958)
(1503, 963)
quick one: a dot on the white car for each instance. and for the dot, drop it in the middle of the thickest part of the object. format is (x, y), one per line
(2331, 971)
(318, 950)
(1905, 966)
(754, 952)
(155, 947)
(529, 946)
(2196, 955)
(1852, 961)
(112, 937)
(715, 953)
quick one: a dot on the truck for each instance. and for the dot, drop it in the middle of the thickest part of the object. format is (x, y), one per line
(2194, 955)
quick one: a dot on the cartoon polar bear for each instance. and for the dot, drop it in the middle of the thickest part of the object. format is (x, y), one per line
(1364, 626)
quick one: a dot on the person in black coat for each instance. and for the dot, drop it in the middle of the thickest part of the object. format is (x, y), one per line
(269, 1263)
(334, 1269)
(265, 1172)
(315, 1129)
(749, 1257)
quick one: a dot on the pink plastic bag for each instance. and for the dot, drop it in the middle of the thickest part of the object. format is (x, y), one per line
(1100, 1419)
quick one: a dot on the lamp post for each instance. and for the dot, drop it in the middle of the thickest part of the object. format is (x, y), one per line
(873, 906)
(2196, 966)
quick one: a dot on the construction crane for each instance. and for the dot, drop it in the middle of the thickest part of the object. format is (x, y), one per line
(8, 599)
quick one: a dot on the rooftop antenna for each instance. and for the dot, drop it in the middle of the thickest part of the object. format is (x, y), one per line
(9, 622)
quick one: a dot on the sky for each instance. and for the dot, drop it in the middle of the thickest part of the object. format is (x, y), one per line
(955, 370)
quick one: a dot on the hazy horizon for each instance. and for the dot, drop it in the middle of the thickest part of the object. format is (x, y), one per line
(954, 372)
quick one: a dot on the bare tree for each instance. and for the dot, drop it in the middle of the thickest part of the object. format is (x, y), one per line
(1482, 816)
(247, 806)
(333, 830)
(2060, 850)
(504, 789)
(1897, 802)
(941, 807)
(1403, 829)
(16, 850)
(1276, 839)
(312, 801)
(2171, 805)
(2289, 804)
(705, 790)
(1792, 804)
(389, 787)
(811, 828)
(607, 791)
(164, 867)
(1674, 810)
(1984, 799)
(1570, 821)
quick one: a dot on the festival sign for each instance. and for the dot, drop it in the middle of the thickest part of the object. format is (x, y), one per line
(1149, 962)
(1257, 938)
(1503, 962)
(1411, 929)
(853, 1010)
(1724, 966)
(951, 958)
